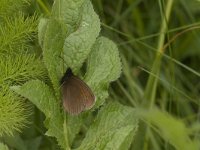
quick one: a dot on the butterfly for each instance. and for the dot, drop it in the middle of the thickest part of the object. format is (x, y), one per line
(76, 94)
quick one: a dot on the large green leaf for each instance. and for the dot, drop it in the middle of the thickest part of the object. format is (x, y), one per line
(66, 11)
(113, 128)
(69, 12)
(104, 66)
(53, 43)
(43, 97)
(78, 44)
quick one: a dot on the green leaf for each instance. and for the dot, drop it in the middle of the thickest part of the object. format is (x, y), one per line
(113, 128)
(78, 44)
(42, 26)
(52, 34)
(69, 12)
(73, 124)
(66, 11)
(15, 141)
(42, 96)
(34, 143)
(104, 66)
(53, 43)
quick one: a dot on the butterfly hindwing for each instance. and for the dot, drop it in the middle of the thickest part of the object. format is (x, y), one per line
(77, 96)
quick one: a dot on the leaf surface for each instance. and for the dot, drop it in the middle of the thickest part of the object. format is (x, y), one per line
(78, 44)
(113, 128)
(42, 96)
(104, 66)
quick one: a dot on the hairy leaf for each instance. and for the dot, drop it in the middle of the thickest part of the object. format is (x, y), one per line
(52, 33)
(42, 96)
(53, 43)
(104, 66)
(42, 26)
(69, 12)
(113, 128)
(78, 44)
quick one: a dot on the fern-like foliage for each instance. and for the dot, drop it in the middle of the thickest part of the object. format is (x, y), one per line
(14, 112)
(10, 7)
(17, 63)
(16, 32)
(20, 68)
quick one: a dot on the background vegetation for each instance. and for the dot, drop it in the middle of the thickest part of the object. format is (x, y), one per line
(158, 44)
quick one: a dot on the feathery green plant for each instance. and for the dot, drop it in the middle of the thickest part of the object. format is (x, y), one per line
(16, 34)
(18, 64)
(9, 7)
(13, 113)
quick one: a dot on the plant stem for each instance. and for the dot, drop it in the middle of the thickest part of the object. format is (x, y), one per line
(40, 2)
(150, 91)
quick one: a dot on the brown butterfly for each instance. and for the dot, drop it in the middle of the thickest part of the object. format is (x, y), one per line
(77, 96)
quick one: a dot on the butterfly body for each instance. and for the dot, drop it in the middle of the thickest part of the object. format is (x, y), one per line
(76, 94)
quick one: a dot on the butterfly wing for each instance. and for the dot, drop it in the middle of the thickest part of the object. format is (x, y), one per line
(77, 96)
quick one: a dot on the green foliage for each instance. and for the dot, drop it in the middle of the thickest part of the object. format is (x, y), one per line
(78, 45)
(159, 49)
(42, 96)
(41, 30)
(18, 64)
(67, 42)
(104, 65)
(20, 68)
(169, 82)
(71, 16)
(14, 113)
(113, 128)
(10, 7)
(172, 129)
(15, 142)
(15, 34)
(3, 147)
(53, 43)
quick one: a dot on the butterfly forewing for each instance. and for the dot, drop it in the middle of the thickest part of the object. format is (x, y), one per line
(77, 96)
